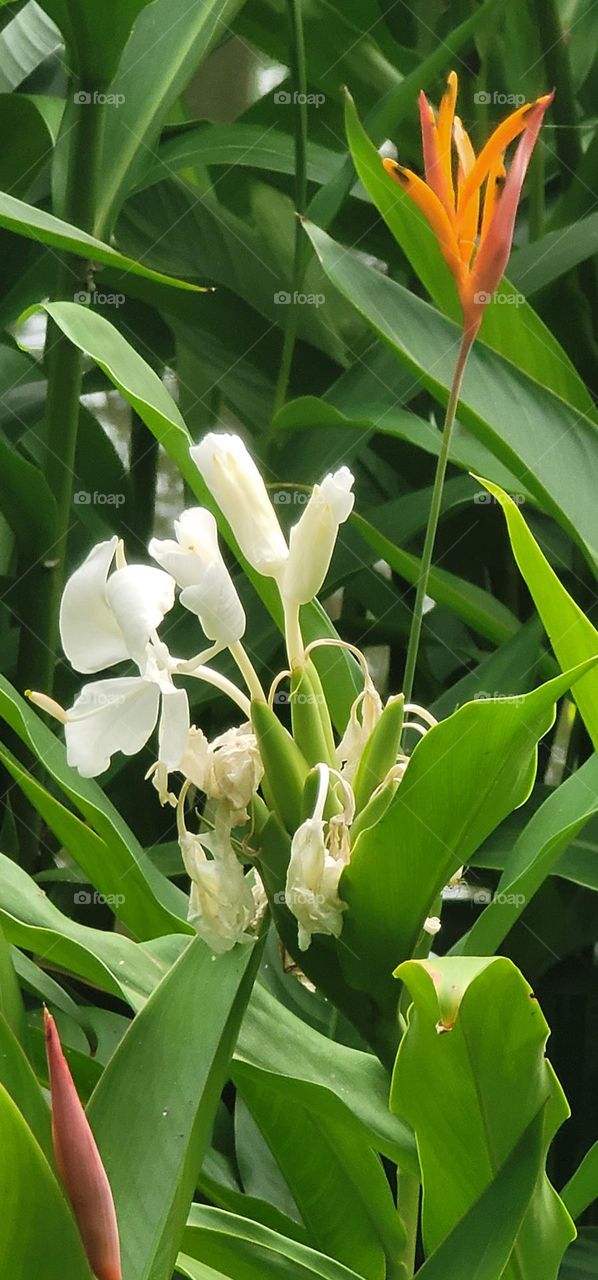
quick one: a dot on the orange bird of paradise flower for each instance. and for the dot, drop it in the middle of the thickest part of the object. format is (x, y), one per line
(476, 248)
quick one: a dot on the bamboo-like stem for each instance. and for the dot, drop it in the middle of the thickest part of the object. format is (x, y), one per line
(432, 526)
(64, 364)
(299, 80)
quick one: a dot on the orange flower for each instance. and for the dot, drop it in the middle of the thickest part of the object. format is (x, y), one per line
(476, 250)
(80, 1165)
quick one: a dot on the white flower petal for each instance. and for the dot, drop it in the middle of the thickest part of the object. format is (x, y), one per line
(195, 562)
(90, 634)
(108, 716)
(174, 727)
(235, 482)
(215, 602)
(139, 597)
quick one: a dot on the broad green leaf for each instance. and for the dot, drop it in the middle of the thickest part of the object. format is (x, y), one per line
(581, 1259)
(150, 84)
(94, 34)
(27, 502)
(17, 1077)
(11, 1001)
(27, 143)
(105, 960)
(534, 856)
(25, 42)
(511, 328)
(582, 1188)
(470, 1077)
(336, 1181)
(38, 1235)
(144, 390)
(476, 607)
(241, 144)
(388, 417)
(274, 1039)
(246, 1250)
(571, 634)
(482, 1242)
(36, 224)
(153, 1127)
(529, 428)
(152, 905)
(463, 778)
(542, 261)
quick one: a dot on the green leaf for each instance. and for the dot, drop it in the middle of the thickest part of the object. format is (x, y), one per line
(581, 1259)
(246, 1250)
(482, 1242)
(150, 85)
(471, 1092)
(463, 778)
(38, 1235)
(105, 960)
(95, 34)
(525, 425)
(153, 1127)
(11, 1001)
(25, 42)
(534, 856)
(274, 1039)
(542, 261)
(36, 224)
(582, 1188)
(241, 144)
(476, 607)
(336, 1181)
(515, 331)
(27, 502)
(572, 635)
(27, 142)
(17, 1077)
(151, 902)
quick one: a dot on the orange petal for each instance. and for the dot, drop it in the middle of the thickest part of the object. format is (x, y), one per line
(494, 186)
(433, 166)
(444, 131)
(434, 212)
(503, 135)
(467, 222)
(80, 1166)
(495, 247)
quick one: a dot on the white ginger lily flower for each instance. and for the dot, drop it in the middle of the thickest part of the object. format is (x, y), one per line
(313, 538)
(109, 618)
(196, 564)
(311, 891)
(221, 904)
(237, 486)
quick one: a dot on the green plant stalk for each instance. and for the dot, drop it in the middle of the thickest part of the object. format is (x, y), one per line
(301, 251)
(64, 365)
(432, 525)
(408, 1195)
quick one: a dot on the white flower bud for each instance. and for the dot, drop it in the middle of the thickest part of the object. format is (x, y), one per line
(237, 486)
(313, 538)
(311, 890)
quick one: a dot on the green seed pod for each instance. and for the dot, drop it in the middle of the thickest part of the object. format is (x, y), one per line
(285, 766)
(307, 705)
(380, 751)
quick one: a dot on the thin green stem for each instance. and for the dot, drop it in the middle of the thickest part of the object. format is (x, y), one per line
(45, 576)
(408, 1194)
(299, 80)
(432, 526)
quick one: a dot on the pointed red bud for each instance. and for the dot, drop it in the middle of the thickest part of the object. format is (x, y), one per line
(80, 1166)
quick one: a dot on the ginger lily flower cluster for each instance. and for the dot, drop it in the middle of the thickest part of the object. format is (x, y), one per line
(474, 236)
(322, 791)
